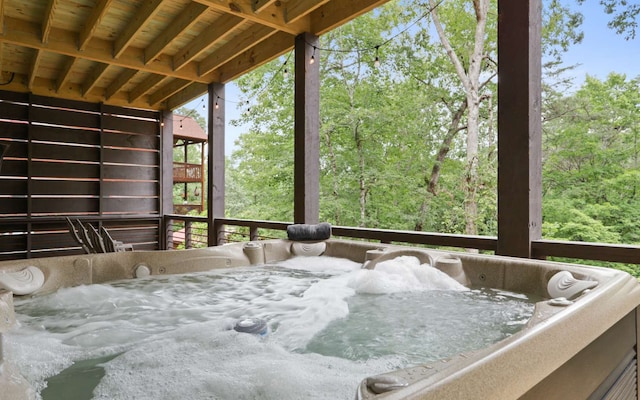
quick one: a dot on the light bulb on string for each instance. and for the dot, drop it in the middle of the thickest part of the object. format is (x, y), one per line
(285, 72)
(217, 106)
(180, 124)
(313, 58)
(376, 62)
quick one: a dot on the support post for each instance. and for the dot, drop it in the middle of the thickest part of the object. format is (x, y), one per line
(306, 207)
(166, 184)
(215, 162)
(519, 126)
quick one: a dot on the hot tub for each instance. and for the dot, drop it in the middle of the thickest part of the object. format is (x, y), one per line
(580, 342)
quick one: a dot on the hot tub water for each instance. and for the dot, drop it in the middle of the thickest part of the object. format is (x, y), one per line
(331, 325)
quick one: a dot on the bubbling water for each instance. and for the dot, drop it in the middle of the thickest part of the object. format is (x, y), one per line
(331, 324)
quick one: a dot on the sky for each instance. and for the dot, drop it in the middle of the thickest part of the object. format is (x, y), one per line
(601, 52)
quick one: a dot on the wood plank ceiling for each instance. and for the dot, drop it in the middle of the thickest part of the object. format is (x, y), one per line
(151, 54)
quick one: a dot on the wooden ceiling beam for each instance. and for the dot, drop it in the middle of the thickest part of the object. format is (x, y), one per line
(72, 91)
(92, 80)
(145, 86)
(215, 32)
(64, 75)
(33, 70)
(92, 23)
(117, 84)
(167, 91)
(145, 13)
(249, 39)
(48, 20)
(295, 10)
(261, 5)
(2, 27)
(273, 47)
(184, 21)
(271, 16)
(26, 34)
(185, 95)
(336, 13)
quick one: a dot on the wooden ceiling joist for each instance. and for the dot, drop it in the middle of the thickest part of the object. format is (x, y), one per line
(35, 64)
(167, 91)
(96, 74)
(261, 5)
(188, 93)
(153, 54)
(275, 46)
(93, 23)
(145, 86)
(215, 33)
(48, 20)
(184, 21)
(272, 16)
(301, 8)
(251, 38)
(119, 82)
(148, 10)
(63, 77)
(336, 13)
(62, 42)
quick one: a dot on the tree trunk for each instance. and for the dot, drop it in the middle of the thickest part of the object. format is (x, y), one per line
(334, 174)
(432, 184)
(361, 175)
(471, 83)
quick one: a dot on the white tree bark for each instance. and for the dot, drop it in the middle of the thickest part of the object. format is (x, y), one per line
(471, 82)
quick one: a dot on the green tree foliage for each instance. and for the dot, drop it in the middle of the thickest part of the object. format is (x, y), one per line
(394, 150)
(591, 177)
(624, 16)
(261, 170)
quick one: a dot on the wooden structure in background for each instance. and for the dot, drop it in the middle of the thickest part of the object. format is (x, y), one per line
(69, 158)
(187, 132)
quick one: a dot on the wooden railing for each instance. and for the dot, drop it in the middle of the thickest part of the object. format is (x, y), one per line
(186, 172)
(257, 230)
(185, 231)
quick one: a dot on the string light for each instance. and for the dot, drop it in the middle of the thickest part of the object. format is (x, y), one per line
(376, 61)
(192, 111)
(313, 58)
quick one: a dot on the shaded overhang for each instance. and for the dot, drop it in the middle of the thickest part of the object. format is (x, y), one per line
(151, 54)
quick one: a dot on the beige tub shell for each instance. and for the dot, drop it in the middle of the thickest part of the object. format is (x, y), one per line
(586, 350)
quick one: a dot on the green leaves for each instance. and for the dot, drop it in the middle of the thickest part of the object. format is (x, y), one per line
(591, 176)
(383, 128)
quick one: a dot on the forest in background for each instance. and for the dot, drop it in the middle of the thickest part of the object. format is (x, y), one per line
(408, 128)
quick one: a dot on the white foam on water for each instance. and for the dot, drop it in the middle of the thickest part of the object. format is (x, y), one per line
(174, 333)
(402, 274)
(204, 361)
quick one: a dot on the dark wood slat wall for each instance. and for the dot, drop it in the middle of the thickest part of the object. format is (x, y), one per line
(66, 158)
